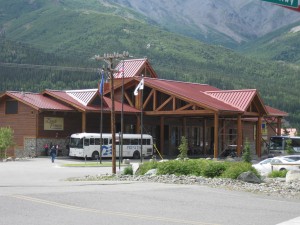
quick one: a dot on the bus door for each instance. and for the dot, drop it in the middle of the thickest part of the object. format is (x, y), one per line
(107, 147)
(93, 145)
(86, 147)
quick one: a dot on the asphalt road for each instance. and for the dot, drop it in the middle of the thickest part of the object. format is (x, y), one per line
(35, 192)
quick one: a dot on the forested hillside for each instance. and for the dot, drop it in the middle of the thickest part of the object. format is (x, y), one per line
(29, 69)
(69, 33)
(280, 45)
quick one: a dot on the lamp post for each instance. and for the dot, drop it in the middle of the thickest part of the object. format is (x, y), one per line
(108, 58)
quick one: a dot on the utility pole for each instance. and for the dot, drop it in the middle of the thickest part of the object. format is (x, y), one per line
(108, 58)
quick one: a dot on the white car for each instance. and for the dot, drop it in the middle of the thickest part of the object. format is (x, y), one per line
(293, 157)
(265, 167)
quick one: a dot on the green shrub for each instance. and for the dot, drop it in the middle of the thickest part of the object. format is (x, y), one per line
(128, 170)
(183, 148)
(146, 166)
(246, 153)
(289, 148)
(276, 173)
(214, 169)
(199, 167)
(234, 169)
(6, 140)
(177, 167)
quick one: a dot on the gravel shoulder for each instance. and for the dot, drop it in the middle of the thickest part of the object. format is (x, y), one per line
(276, 187)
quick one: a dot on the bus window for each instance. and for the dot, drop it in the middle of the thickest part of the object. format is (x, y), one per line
(86, 142)
(105, 141)
(134, 141)
(97, 141)
(296, 143)
(76, 143)
(276, 143)
(126, 141)
(146, 142)
(92, 141)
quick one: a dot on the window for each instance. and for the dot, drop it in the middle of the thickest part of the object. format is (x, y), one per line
(146, 141)
(11, 107)
(86, 142)
(105, 141)
(92, 141)
(134, 141)
(232, 136)
(126, 141)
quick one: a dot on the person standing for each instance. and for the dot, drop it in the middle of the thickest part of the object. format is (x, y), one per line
(46, 147)
(53, 153)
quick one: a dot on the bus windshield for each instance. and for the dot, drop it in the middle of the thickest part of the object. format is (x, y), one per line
(76, 143)
(276, 143)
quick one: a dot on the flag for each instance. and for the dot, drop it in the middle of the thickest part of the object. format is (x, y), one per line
(101, 83)
(139, 87)
(120, 72)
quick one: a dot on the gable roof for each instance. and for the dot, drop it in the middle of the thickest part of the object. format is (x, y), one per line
(134, 67)
(37, 101)
(81, 100)
(192, 92)
(209, 97)
(240, 99)
(275, 112)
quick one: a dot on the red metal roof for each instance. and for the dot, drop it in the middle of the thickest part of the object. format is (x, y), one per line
(240, 99)
(192, 91)
(132, 68)
(118, 106)
(38, 101)
(275, 112)
(81, 99)
(82, 96)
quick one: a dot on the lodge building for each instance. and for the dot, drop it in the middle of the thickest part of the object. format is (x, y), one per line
(211, 119)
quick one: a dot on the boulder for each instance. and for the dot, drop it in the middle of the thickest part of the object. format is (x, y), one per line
(135, 167)
(126, 161)
(151, 172)
(249, 177)
(292, 175)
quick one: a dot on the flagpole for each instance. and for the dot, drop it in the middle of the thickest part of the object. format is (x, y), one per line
(142, 122)
(122, 114)
(108, 58)
(101, 117)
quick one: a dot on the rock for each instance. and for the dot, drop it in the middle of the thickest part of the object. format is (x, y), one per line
(292, 175)
(9, 159)
(135, 167)
(126, 161)
(151, 172)
(249, 177)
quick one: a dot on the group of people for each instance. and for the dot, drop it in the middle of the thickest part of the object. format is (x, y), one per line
(53, 151)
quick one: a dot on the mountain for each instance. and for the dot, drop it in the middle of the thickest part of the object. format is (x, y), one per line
(70, 32)
(280, 45)
(229, 23)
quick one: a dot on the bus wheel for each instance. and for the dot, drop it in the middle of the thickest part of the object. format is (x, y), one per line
(136, 155)
(95, 155)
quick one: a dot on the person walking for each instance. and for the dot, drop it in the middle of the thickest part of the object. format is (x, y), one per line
(53, 153)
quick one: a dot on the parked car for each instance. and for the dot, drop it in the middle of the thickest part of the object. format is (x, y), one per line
(293, 157)
(265, 167)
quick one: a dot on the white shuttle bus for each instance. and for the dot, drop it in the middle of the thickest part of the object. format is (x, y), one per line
(88, 145)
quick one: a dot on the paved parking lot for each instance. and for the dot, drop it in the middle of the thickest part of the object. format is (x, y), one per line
(35, 191)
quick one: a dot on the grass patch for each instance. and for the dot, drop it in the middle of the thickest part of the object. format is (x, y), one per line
(275, 174)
